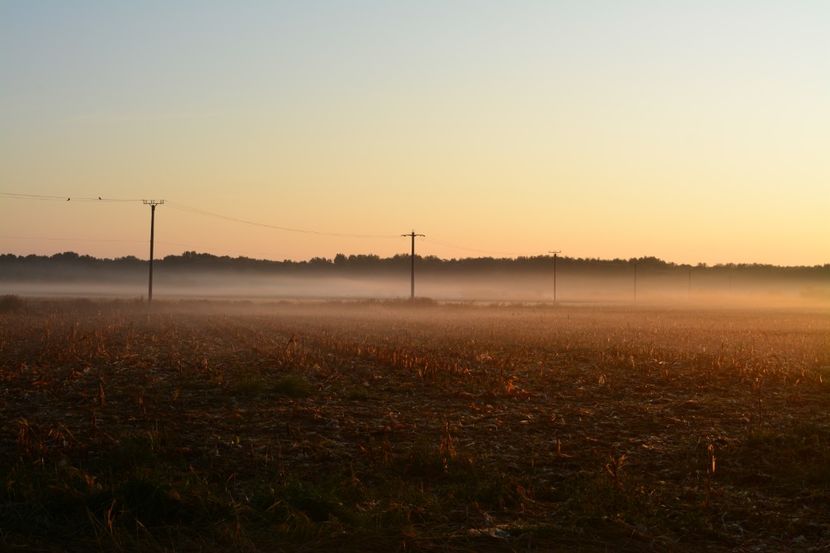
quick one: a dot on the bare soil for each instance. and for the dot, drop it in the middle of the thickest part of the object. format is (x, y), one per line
(198, 426)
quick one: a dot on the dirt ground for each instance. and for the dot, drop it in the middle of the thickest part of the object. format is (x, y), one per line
(361, 426)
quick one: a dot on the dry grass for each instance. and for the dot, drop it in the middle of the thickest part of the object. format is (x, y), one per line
(383, 427)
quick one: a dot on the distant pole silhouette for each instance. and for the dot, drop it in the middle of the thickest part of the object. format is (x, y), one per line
(731, 274)
(690, 282)
(555, 254)
(152, 204)
(635, 282)
(412, 235)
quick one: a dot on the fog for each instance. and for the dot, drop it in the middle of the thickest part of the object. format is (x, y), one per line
(574, 288)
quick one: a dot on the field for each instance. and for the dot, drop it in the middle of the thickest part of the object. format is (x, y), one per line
(386, 426)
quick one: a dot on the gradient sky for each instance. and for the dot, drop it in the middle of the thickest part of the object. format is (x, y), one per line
(689, 130)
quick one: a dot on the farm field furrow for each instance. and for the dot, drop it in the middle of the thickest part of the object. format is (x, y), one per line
(387, 426)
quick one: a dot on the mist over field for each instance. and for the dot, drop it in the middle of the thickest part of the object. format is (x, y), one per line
(646, 281)
(483, 277)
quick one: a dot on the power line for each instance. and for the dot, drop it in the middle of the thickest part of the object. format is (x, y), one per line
(44, 197)
(76, 239)
(189, 209)
(475, 250)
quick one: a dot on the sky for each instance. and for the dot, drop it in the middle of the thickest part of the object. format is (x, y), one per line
(694, 131)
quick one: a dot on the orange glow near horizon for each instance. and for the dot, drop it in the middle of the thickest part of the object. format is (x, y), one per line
(693, 134)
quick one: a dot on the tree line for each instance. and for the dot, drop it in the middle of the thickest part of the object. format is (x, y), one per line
(14, 267)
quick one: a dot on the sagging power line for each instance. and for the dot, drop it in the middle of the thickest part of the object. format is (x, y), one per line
(473, 250)
(190, 209)
(182, 207)
(70, 198)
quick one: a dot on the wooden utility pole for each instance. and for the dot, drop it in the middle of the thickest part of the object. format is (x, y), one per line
(555, 254)
(412, 235)
(152, 204)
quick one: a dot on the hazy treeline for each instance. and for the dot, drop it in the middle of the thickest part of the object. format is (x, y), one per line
(66, 265)
(192, 274)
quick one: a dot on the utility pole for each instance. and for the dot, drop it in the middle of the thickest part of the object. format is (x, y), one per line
(635, 282)
(555, 254)
(412, 235)
(152, 204)
(731, 274)
(690, 282)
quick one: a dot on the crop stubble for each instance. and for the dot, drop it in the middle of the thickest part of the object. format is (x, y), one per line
(385, 426)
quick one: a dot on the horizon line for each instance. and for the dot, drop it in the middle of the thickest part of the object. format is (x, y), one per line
(332, 260)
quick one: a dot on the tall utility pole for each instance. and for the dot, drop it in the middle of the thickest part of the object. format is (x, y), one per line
(555, 254)
(412, 235)
(152, 204)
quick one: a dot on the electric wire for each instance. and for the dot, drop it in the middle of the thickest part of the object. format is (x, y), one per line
(182, 207)
(474, 250)
(74, 239)
(194, 210)
(69, 198)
